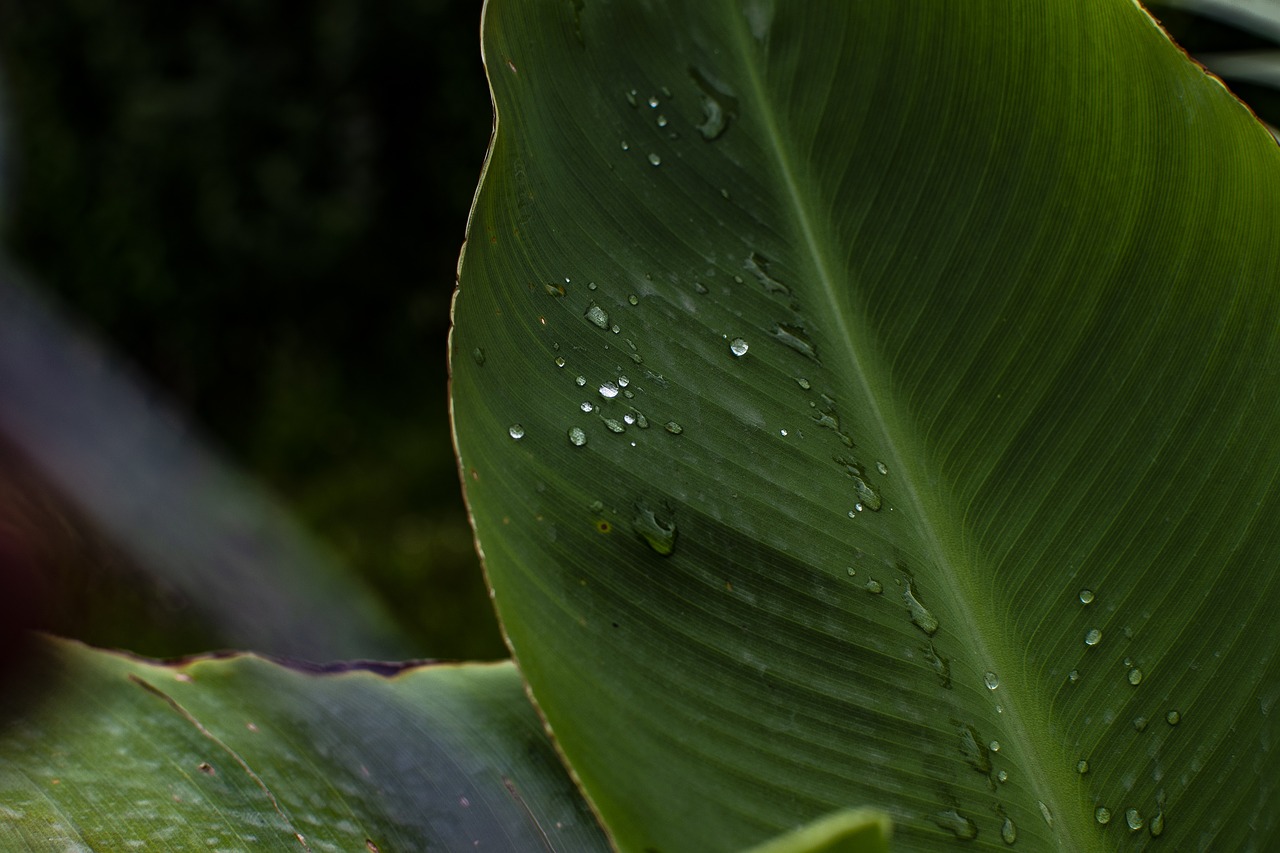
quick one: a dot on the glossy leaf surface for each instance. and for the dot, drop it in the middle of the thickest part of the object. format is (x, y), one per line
(875, 404)
(245, 754)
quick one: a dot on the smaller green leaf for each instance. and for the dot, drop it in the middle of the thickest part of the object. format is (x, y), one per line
(847, 831)
(242, 753)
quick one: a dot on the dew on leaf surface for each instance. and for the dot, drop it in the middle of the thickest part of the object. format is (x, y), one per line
(654, 159)
(598, 316)
(874, 587)
(957, 824)
(673, 427)
(613, 425)
(1092, 637)
(1135, 676)
(1173, 718)
(1133, 819)
(658, 533)
(1008, 832)
(738, 347)
(516, 431)
(1086, 596)
(577, 436)
(882, 468)
(1082, 766)
(990, 679)
(608, 390)
(477, 355)
(1102, 815)
(920, 615)
(1045, 813)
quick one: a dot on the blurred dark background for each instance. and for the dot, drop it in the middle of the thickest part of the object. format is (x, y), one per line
(261, 206)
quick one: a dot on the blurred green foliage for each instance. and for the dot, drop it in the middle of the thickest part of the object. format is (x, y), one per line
(262, 205)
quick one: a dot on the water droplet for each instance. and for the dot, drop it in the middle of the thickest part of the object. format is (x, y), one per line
(633, 299)
(580, 381)
(629, 418)
(874, 587)
(556, 290)
(858, 507)
(660, 534)
(641, 420)
(1002, 776)
(796, 338)
(516, 431)
(1093, 637)
(662, 121)
(940, 665)
(1133, 818)
(957, 824)
(577, 437)
(591, 285)
(738, 347)
(632, 98)
(560, 361)
(990, 679)
(653, 102)
(608, 390)
(654, 159)
(1086, 596)
(625, 146)
(587, 407)
(1045, 813)
(1102, 815)
(615, 328)
(1135, 676)
(477, 355)
(1073, 676)
(673, 427)
(920, 615)
(882, 468)
(1008, 832)
(1140, 723)
(613, 425)
(803, 383)
(598, 316)
(1173, 718)
(758, 266)
(718, 106)
(782, 432)
(975, 754)
(994, 746)
(1156, 827)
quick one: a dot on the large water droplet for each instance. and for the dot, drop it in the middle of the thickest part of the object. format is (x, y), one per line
(994, 746)
(633, 300)
(957, 824)
(920, 615)
(580, 381)
(1133, 819)
(1156, 827)
(874, 587)
(940, 665)
(975, 753)
(598, 316)
(1102, 815)
(1045, 813)
(654, 159)
(516, 431)
(659, 533)
(1086, 596)
(673, 427)
(613, 426)
(796, 338)
(560, 361)
(1008, 832)
(653, 102)
(882, 468)
(738, 347)
(1135, 676)
(586, 406)
(1092, 637)
(1173, 718)
(758, 266)
(608, 390)
(990, 679)
(718, 105)
(577, 437)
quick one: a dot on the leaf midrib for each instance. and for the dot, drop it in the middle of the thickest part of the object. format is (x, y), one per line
(929, 521)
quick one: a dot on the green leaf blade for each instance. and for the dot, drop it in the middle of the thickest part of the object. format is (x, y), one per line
(242, 753)
(1004, 277)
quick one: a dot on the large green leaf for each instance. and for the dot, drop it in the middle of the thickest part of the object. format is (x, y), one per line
(244, 754)
(954, 311)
